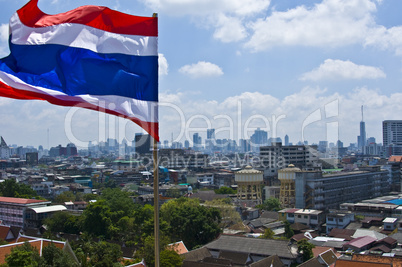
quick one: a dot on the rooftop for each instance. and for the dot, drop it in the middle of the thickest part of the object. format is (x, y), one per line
(15, 200)
(259, 246)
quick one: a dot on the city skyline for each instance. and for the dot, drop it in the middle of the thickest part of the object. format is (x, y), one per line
(218, 65)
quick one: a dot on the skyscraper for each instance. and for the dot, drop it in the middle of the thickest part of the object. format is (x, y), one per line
(361, 140)
(142, 143)
(286, 140)
(392, 137)
(196, 141)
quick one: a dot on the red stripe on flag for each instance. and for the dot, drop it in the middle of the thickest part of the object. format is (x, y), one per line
(99, 17)
(7, 91)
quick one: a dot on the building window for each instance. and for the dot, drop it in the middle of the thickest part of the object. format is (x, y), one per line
(305, 216)
(298, 216)
(330, 219)
(340, 220)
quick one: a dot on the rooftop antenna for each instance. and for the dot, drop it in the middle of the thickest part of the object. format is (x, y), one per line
(362, 113)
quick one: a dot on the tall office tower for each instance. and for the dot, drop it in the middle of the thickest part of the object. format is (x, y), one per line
(196, 141)
(142, 143)
(286, 140)
(361, 140)
(392, 137)
(186, 144)
(259, 138)
(210, 133)
(210, 141)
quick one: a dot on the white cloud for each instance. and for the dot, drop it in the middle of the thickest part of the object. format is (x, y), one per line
(163, 65)
(208, 7)
(3, 40)
(201, 69)
(229, 29)
(226, 17)
(331, 23)
(342, 70)
(3, 32)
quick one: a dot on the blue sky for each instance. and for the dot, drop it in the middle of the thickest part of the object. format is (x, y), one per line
(301, 68)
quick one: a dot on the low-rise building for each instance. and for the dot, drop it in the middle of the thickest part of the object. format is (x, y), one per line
(338, 219)
(13, 211)
(312, 218)
(390, 224)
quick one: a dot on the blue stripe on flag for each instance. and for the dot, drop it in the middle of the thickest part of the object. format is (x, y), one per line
(77, 71)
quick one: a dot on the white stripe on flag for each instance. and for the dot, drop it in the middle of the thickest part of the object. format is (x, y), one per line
(82, 36)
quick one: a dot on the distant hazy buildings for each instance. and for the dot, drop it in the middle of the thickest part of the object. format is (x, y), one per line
(258, 139)
(392, 137)
(70, 150)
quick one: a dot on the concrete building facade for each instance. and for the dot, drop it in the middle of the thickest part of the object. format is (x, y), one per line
(315, 190)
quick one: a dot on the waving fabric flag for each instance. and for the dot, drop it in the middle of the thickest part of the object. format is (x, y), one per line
(92, 57)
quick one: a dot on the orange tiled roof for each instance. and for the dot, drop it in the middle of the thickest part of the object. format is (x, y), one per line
(352, 263)
(391, 261)
(395, 159)
(16, 200)
(318, 250)
(179, 247)
(36, 243)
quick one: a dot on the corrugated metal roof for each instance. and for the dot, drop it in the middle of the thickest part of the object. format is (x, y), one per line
(259, 246)
(49, 209)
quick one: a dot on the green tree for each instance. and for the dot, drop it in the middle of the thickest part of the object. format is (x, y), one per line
(24, 255)
(271, 204)
(10, 188)
(190, 222)
(225, 190)
(170, 258)
(53, 256)
(288, 230)
(268, 234)
(65, 197)
(97, 219)
(167, 257)
(64, 222)
(118, 201)
(230, 217)
(104, 254)
(306, 249)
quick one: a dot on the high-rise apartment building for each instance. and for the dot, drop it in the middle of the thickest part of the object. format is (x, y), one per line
(392, 137)
(4, 149)
(276, 157)
(196, 141)
(361, 139)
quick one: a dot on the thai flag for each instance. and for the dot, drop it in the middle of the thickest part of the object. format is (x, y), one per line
(92, 57)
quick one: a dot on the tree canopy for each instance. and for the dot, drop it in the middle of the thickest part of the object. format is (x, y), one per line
(270, 204)
(191, 222)
(306, 249)
(10, 188)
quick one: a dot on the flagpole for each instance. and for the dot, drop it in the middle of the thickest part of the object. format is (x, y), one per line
(156, 202)
(156, 194)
